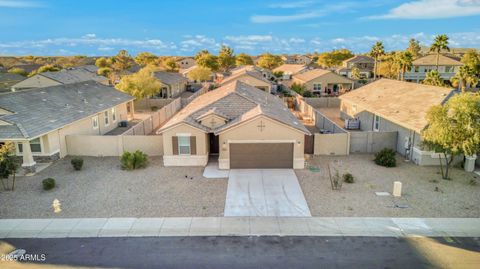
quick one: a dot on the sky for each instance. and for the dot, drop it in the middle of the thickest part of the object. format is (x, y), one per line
(66, 27)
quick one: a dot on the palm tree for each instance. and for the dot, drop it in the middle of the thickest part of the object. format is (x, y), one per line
(465, 76)
(377, 51)
(440, 43)
(433, 78)
(404, 61)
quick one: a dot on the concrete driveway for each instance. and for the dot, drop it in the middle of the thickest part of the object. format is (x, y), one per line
(265, 192)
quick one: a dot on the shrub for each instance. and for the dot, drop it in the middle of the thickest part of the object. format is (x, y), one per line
(154, 108)
(348, 178)
(77, 163)
(386, 157)
(307, 94)
(48, 183)
(135, 160)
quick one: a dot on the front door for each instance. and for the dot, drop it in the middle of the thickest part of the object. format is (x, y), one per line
(213, 143)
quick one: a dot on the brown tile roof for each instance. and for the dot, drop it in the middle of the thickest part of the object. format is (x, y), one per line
(431, 59)
(403, 103)
(290, 68)
(237, 102)
(240, 73)
(315, 73)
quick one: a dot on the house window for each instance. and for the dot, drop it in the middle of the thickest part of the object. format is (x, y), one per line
(95, 122)
(35, 146)
(114, 114)
(317, 87)
(376, 123)
(107, 118)
(448, 69)
(184, 145)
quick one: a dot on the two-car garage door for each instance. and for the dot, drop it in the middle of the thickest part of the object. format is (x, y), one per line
(261, 155)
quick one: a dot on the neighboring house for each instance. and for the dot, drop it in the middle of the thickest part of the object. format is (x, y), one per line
(265, 72)
(447, 67)
(186, 62)
(246, 127)
(9, 79)
(289, 70)
(28, 67)
(65, 76)
(296, 59)
(365, 65)
(323, 81)
(390, 105)
(456, 52)
(38, 121)
(173, 84)
(250, 77)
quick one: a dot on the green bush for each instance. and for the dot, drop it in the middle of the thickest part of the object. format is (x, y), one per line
(77, 163)
(154, 108)
(348, 178)
(48, 183)
(386, 157)
(135, 160)
(307, 94)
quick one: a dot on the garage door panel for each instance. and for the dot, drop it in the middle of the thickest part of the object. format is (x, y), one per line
(261, 155)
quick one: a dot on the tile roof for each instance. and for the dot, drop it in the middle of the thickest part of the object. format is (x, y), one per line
(237, 102)
(169, 78)
(239, 73)
(403, 103)
(10, 77)
(290, 68)
(72, 75)
(431, 59)
(42, 110)
(359, 58)
(315, 73)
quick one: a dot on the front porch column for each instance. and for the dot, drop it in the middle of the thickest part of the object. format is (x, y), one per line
(28, 162)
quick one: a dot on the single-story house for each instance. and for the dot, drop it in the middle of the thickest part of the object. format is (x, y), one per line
(289, 70)
(250, 77)
(244, 126)
(9, 79)
(389, 105)
(186, 62)
(38, 121)
(365, 65)
(265, 72)
(65, 76)
(173, 84)
(296, 59)
(323, 81)
(448, 66)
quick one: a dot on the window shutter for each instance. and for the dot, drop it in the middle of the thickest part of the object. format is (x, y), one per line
(193, 145)
(175, 145)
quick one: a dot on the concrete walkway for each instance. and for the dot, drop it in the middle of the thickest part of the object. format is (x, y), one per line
(239, 226)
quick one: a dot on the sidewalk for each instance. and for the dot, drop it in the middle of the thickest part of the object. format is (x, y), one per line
(239, 226)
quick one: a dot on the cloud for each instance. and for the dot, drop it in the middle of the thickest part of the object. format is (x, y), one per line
(297, 4)
(432, 9)
(249, 39)
(19, 4)
(89, 36)
(192, 43)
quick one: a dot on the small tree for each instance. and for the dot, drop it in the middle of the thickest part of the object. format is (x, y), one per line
(433, 78)
(243, 59)
(454, 128)
(270, 61)
(170, 64)
(298, 88)
(145, 58)
(376, 52)
(141, 84)
(226, 58)
(465, 76)
(200, 74)
(355, 73)
(205, 59)
(8, 166)
(439, 44)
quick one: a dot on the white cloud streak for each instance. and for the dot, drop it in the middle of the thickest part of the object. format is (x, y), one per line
(432, 9)
(19, 4)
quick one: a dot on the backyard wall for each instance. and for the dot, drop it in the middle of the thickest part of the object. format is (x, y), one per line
(332, 144)
(155, 119)
(323, 102)
(372, 142)
(146, 104)
(95, 145)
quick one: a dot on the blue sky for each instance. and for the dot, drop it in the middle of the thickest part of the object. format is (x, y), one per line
(179, 27)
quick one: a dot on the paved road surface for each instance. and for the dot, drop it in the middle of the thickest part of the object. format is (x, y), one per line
(257, 252)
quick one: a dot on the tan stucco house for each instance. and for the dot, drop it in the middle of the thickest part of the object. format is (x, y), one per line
(323, 81)
(448, 66)
(365, 65)
(289, 70)
(244, 126)
(186, 62)
(38, 120)
(173, 84)
(62, 77)
(251, 77)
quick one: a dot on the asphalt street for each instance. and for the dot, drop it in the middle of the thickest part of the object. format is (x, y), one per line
(253, 252)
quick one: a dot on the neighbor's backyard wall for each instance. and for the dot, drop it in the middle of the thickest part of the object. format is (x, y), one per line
(95, 145)
(155, 119)
(332, 144)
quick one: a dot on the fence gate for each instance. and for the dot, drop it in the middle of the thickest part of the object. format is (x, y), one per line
(309, 144)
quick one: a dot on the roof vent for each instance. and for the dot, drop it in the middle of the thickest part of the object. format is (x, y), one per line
(85, 101)
(67, 105)
(44, 100)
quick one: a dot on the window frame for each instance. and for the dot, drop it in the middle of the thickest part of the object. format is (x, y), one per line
(40, 144)
(376, 123)
(95, 122)
(183, 140)
(114, 114)
(106, 118)
(317, 89)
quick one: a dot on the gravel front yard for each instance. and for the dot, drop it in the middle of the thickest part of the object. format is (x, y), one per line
(454, 198)
(102, 189)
